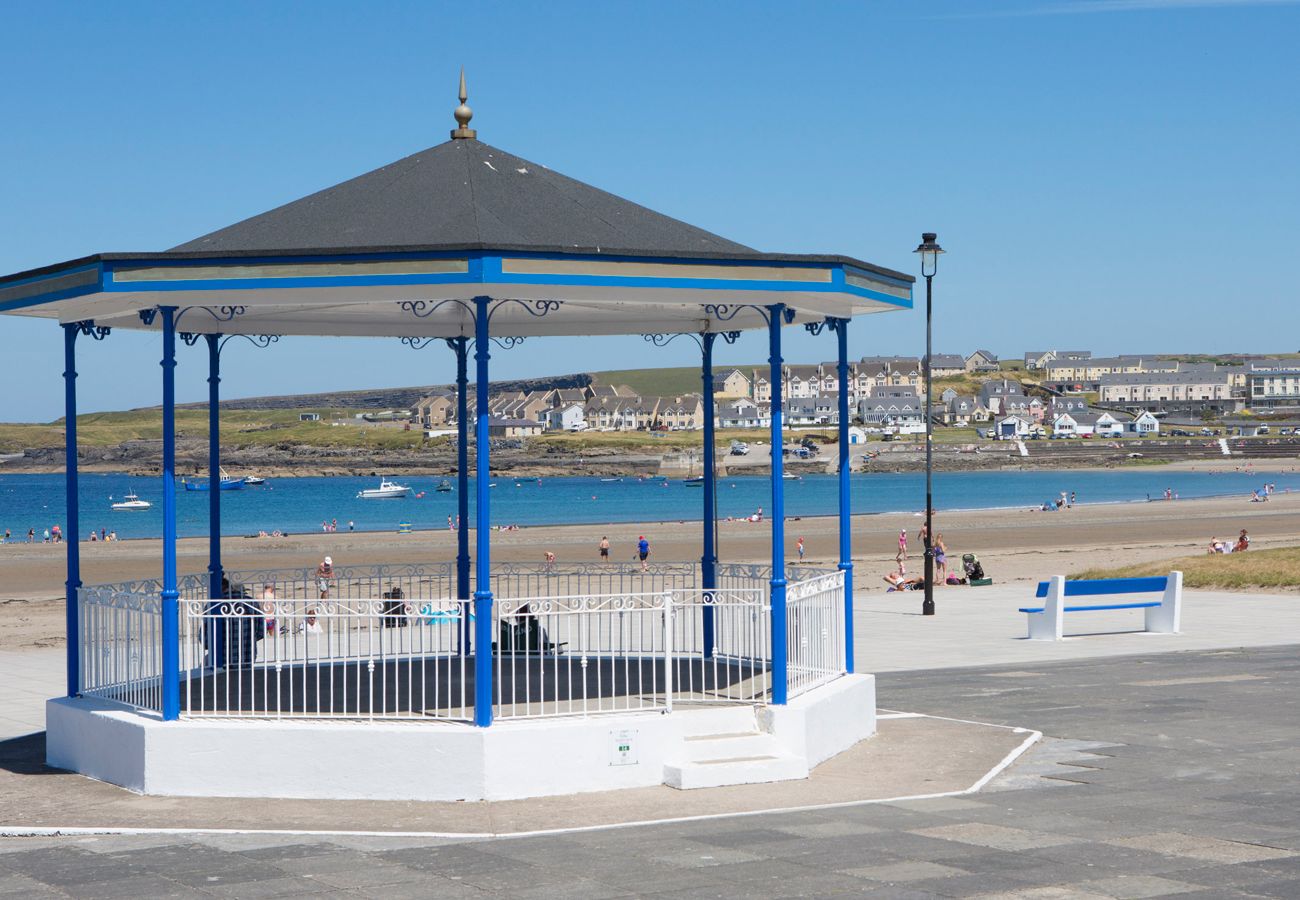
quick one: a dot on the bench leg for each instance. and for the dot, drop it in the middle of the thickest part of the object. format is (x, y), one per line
(1049, 624)
(1167, 617)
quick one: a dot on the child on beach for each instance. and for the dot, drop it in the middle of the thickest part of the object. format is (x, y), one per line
(902, 544)
(643, 551)
(799, 547)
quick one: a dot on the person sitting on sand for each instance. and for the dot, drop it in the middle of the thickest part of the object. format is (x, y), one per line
(897, 581)
(1216, 545)
(1243, 542)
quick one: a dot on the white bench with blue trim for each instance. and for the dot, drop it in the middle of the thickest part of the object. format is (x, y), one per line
(1163, 616)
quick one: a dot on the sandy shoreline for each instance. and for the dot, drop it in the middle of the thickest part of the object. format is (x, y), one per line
(1013, 544)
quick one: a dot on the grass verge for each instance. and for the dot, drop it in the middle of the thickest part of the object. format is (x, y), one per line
(1275, 568)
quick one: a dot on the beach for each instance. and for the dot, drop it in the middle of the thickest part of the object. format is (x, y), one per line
(1012, 544)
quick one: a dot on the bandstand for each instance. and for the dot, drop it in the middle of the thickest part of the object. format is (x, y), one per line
(418, 681)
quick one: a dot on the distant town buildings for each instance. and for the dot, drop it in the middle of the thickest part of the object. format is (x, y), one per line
(1130, 392)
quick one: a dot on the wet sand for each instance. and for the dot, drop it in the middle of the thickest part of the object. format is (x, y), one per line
(1013, 544)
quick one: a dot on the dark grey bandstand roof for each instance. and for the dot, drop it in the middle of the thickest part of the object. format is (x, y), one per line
(451, 223)
(467, 195)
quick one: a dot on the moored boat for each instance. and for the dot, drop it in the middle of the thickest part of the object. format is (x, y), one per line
(130, 502)
(386, 490)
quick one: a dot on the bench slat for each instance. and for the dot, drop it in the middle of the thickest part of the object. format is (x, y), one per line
(1100, 586)
(1099, 606)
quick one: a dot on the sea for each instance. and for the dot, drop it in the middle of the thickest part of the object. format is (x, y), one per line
(297, 505)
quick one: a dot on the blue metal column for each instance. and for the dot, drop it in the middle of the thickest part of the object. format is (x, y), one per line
(775, 315)
(709, 561)
(482, 525)
(171, 657)
(73, 534)
(214, 464)
(846, 518)
(461, 346)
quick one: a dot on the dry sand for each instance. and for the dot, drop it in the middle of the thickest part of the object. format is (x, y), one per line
(1012, 545)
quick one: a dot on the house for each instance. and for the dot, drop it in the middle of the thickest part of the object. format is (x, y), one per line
(435, 410)
(566, 417)
(1143, 423)
(1106, 425)
(513, 428)
(948, 395)
(1013, 427)
(857, 435)
(1066, 424)
(308, 417)
(1038, 359)
(744, 414)
(640, 413)
(801, 382)
(1066, 404)
(684, 413)
(982, 361)
(947, 365)
(1150, 388)
(963, 411)
(604, 414)
(892, 406)
(993, 394)
(801, 411)
(760, 389)
(888, 371)
(730, 384)
(1273, 384)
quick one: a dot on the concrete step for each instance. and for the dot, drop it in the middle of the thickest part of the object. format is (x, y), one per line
(716, 720)
(737, 770)
(713, 747)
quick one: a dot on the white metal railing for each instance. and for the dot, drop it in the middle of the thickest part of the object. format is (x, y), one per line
(121, 645)
(737, 666)
(388, 642)
(386, 658)
(586, 654)
(814, 632)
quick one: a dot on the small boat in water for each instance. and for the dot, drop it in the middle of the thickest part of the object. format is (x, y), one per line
(610, 480)
(386, 490)
(790, 476)
(254, 479)
(131, 501)
(225, 484)
(697, 481)
(444, 487)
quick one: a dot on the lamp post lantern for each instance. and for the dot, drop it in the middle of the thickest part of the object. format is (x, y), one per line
(929, 249)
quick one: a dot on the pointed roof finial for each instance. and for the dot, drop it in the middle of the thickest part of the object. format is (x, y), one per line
(463, 114)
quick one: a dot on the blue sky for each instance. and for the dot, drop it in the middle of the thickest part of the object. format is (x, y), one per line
(1117, 175)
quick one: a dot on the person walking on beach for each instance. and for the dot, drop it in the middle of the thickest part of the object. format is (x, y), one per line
(643, 551)
(902, 545)
(31, 535)
(451, 524)
(47, 536)
(799, 547)
(351, 526)
(940, 559)
(58, 533)
(604, 547)
(549, 568)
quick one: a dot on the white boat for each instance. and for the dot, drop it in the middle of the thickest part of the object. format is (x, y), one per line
(254, 479)
(385, 490)
(131, 501)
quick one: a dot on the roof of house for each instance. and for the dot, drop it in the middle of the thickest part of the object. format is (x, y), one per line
(949, 361)
(1118, 379)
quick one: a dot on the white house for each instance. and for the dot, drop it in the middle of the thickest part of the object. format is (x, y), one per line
(857, 435)
(1064, 423)
(1015, 426)
(568, 417)
(1143, 423)
(1107, 425)
(744, 414)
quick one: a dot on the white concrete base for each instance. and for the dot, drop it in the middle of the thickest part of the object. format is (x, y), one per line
(444, 761)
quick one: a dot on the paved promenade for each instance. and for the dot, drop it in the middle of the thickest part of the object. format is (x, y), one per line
(1160, 774)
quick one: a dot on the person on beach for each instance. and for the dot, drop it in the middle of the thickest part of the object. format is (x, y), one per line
(6, 535)
(451, 524)
(324, 575)
(47, 536)
(268, 606)
(31, 535)
(902, 544)
(643, 551)
(799, 547)
(549, 568)
(940, 559)
(351, 527)
(1243, 542)
(604, 547)
(57, 532)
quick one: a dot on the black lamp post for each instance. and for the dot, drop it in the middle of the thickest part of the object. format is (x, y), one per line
(929, 249)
